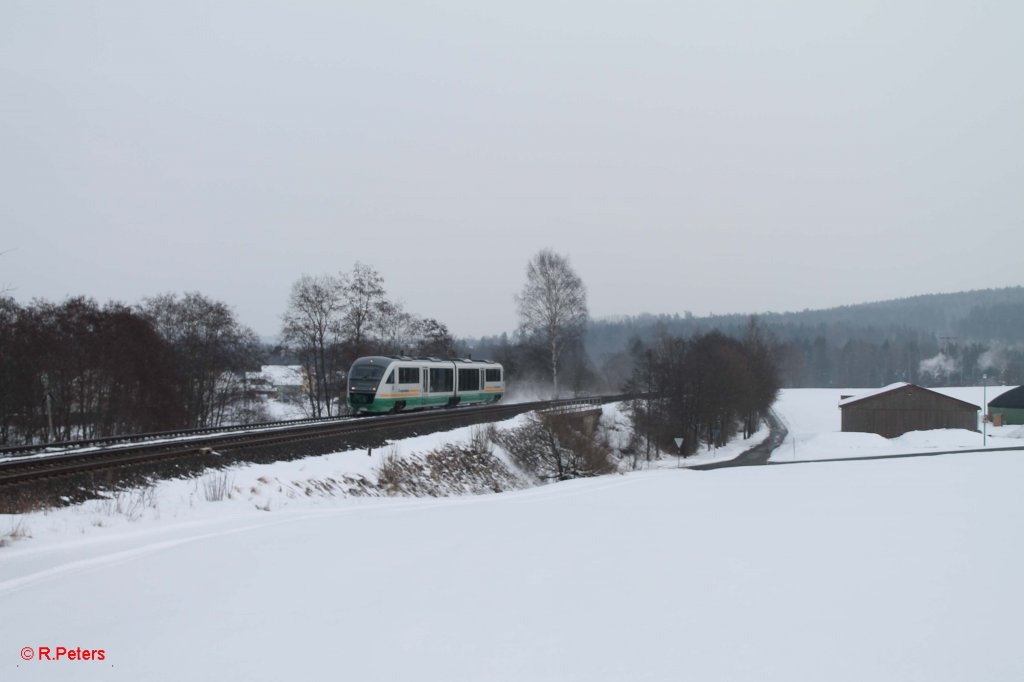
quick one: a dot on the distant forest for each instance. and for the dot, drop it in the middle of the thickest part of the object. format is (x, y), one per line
(932, 340)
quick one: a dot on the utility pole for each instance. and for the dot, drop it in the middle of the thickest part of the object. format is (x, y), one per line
(984, 410)
(945, 351)
(48, 397)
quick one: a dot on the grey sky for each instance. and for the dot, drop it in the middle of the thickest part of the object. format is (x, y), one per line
(711, 156)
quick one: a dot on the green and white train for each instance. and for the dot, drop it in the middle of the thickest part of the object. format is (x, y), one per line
(379, 383)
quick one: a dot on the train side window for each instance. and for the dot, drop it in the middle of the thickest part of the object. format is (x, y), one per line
(441, 380)
(408, 375)
(469, 380)
(391, 377)
(493, 374)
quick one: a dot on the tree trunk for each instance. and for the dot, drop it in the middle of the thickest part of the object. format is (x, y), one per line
(554, 366)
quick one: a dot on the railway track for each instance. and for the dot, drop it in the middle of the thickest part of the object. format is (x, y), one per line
(265, 442)
(63, 446)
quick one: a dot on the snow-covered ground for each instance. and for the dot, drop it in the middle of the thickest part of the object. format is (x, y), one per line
(879, 570)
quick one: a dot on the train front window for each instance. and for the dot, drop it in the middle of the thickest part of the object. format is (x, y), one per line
(366, 373)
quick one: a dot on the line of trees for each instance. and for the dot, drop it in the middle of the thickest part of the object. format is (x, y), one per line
(78, 369)
(703, 389)
(81, 370)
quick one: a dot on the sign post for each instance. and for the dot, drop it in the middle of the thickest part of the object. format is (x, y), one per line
(679, 448)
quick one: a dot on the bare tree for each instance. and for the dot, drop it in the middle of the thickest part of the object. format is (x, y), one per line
(398, 328)
(333, 319)
(365, 301)
(434, 339)
(311, 325)
(210, 349)
(552, 306)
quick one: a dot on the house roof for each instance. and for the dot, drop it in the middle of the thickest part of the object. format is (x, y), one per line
(896, 387)
(1012, 398)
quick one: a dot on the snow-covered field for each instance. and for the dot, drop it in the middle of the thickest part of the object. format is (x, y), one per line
(903, 569)
(813, 418)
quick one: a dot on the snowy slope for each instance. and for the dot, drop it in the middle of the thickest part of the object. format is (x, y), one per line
(893, 570)
(880, 570)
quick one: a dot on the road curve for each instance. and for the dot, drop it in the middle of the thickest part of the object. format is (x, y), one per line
(758, 454)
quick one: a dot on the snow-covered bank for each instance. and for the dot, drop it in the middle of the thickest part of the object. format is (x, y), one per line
(875, 571)
(310, 482)
(428, 465)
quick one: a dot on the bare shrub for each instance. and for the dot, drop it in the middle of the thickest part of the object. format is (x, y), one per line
(557, 447)
(18, 531)
(452, 469)
(392, 471)
(23, 502)
(215, 486)
(481, 437)
(131, 503)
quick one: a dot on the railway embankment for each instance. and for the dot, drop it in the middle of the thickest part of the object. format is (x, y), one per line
(63, 477)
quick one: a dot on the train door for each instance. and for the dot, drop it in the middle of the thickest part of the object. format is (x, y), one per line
(425, 379)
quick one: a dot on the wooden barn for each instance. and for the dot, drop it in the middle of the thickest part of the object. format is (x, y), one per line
(1008, 408)
(898, 408)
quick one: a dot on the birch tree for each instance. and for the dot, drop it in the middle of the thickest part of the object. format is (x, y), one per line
(552, 306)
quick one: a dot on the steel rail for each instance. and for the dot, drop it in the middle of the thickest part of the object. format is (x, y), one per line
(30, 448)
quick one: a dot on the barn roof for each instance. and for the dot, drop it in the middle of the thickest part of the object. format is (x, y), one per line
(896, 387)
(1014, 398)
(871, 394)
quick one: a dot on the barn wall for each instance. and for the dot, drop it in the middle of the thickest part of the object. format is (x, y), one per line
(909, 409)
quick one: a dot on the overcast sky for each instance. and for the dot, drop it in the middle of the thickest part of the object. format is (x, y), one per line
(719, 156)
